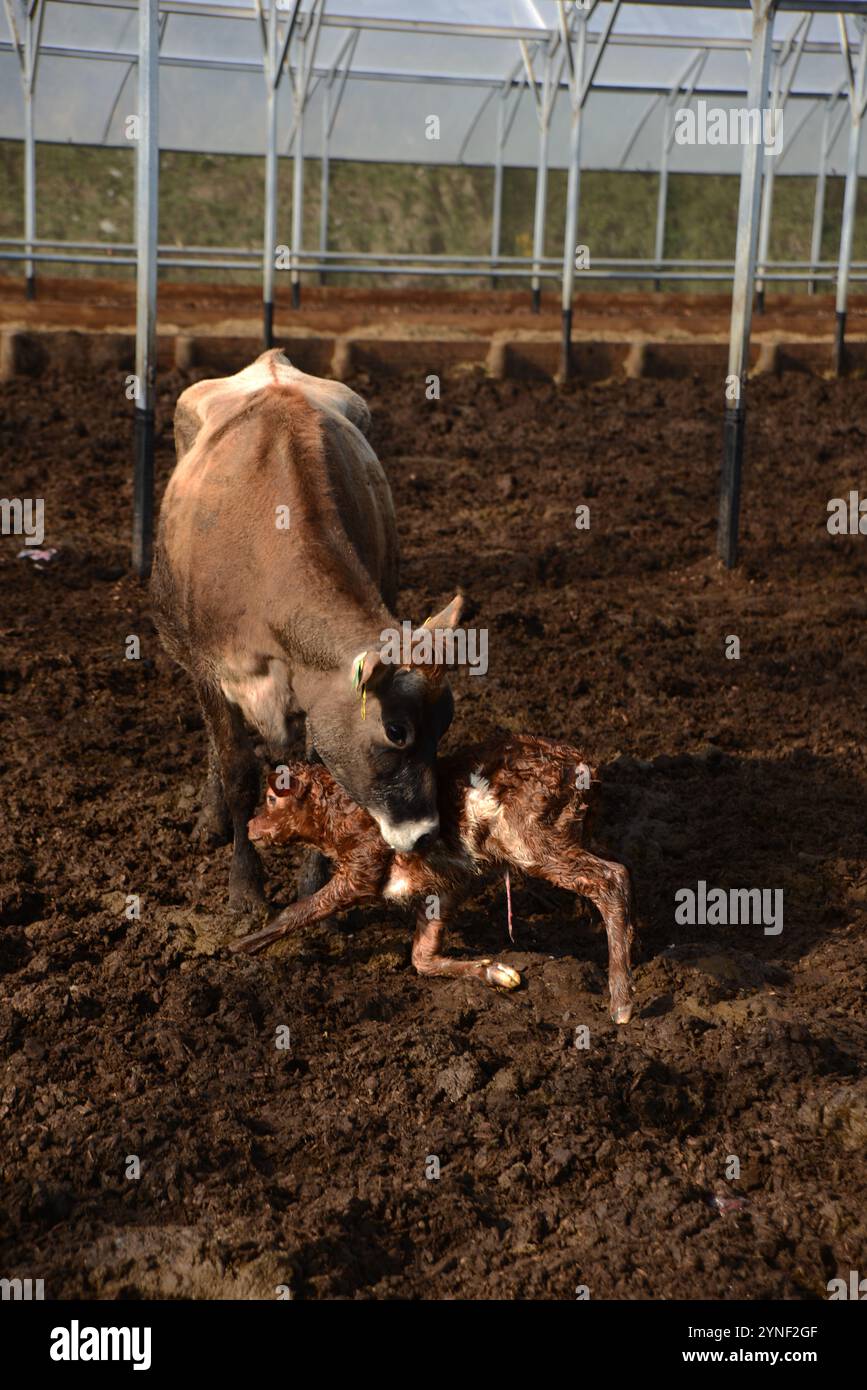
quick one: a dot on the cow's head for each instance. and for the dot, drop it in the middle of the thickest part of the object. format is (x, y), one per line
(376, 726)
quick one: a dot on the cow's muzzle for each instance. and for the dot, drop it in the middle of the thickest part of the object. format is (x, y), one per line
(408, 837)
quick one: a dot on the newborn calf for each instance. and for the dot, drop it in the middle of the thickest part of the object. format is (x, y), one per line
(515, 802)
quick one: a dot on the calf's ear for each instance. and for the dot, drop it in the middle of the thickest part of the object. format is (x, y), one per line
(285, 783)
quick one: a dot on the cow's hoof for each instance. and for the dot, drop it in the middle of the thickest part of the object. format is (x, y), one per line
(622, 1014)
(247, 897)
(502, 976)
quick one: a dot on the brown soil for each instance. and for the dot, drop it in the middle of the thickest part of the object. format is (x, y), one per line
(560, 1166)
(202, 307)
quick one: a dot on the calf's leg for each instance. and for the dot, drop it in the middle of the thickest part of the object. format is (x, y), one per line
(427, 957)
(337, 895)
(239, 773)
(608, 887)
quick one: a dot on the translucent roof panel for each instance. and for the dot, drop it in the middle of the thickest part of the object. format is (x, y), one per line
(416, 58)
(509, 14)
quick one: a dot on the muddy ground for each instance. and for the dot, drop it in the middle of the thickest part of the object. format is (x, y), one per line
(560, 1166)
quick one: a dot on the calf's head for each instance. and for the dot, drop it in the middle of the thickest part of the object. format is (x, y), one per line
(290, 809)
(376, 727)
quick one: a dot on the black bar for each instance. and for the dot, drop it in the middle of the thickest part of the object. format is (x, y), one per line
(268, 322)
(840, 343)
(143, 493)
(566, 346)
(760, 302)
(730, 485)
(54, 1341)
(30, 287)
(296, 294)
(537, 300)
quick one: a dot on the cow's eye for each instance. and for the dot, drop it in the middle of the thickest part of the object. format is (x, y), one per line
(396, 734)
(271, 799)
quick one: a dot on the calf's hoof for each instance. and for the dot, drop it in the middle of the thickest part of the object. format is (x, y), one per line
(256, 941)
(621, 1013)
(499, 975)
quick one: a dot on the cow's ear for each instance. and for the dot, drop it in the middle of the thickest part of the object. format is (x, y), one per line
(364, 666)
(450, 615)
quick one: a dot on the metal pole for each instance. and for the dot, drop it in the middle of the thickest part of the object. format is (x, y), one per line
(326, 171)
(765, 233)
(539, 217)
(29, 16)
(767, 204)
(505, 121)
(579, 86)
(690, 75)
(497, 219)
(146, 208)
(742, 290)
(830, 130)
(29, 168)
(789, 58)
(298, 180)
(856, 112)
(269, 248)
(819, 200)
(572, 194)
(662, 196)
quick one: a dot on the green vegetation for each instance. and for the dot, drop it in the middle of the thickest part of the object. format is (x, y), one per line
(87, 193)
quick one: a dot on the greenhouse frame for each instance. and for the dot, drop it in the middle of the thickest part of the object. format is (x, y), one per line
(540, 84)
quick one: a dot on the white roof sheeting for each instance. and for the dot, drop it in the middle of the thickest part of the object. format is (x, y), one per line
(416, 58)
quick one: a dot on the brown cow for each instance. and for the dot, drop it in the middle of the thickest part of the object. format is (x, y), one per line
(275, 574)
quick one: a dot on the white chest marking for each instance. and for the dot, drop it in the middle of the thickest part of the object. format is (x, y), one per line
(397, 887)
(481, 804)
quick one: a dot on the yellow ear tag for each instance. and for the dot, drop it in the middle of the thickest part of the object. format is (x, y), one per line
(357, 670)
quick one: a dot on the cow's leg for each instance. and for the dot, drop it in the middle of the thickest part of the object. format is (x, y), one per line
(427, 957)
(239, 772)
(214, 823)
(315, 868)
(608, 887)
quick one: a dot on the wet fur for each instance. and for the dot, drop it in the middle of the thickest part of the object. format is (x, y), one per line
(509, 803)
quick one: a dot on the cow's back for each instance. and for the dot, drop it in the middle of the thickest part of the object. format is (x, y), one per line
(277, 505)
